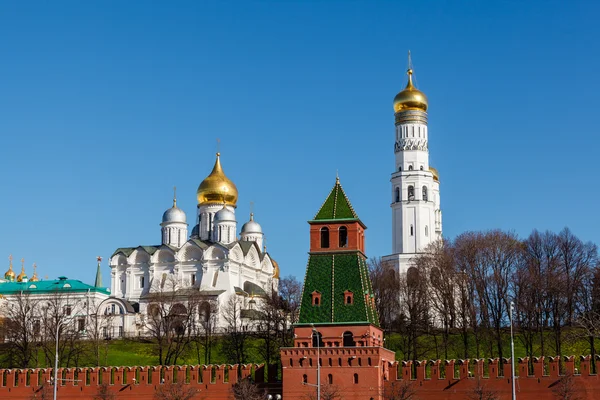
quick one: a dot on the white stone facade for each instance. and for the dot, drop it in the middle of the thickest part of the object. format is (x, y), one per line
(415, 191)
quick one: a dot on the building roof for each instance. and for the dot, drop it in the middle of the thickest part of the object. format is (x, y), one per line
(61, 285)
(336, 206)
(332, 275)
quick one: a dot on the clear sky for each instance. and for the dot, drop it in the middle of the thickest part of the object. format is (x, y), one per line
(106, 105)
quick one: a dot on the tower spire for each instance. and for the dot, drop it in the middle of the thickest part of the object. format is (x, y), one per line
(98, 282)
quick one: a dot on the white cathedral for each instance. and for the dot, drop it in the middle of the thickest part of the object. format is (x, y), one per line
(416, 213)
(212, 260)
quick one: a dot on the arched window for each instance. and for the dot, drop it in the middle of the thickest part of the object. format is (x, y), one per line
(343, 233)
(400, 169)
(410, 168)
(397, 195)
(304, 378)
(302, 363)
(348, 297)
(359, 362)
(426, 231)
(349, 339)
(421, 168)
(411, 192)
(412, 231)
(330, 363)
(369, 361)
(310, 362)
(425, 193)
(316, 298)
(325, 238)
(355, 379)
(317, 339)
(330, 379)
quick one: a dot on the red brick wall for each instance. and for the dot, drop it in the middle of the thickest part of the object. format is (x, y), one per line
(212, 381)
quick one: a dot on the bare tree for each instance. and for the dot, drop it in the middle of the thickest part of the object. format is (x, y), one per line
(171, 316)
(386, 287)
(204, 337)
(235, 337)
(99, 323)
(175, 391)
(290, 295)
(104, 393)
(400, 390)
(437, 265)
(245, 389)
(328, 392)
(566, 388)
(480, 392)
(415, 307)
(270, 327)
(21, 328)
(64, 315)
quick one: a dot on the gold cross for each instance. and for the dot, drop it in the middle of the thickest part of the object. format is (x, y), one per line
(10, 258)
(22, 263)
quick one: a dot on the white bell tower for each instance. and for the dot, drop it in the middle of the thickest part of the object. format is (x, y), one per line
(416, 214)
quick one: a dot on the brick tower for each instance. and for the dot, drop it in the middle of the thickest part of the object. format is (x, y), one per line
(337, 340)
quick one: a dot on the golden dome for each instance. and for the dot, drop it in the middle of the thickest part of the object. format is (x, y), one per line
(10, 274)
(22, 275)
(436, 174)
(275, 269)
(34, 278)
(217, 188)
(410, 98)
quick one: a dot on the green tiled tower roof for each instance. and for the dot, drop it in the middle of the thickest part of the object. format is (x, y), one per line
(336, 206)
(331, 275)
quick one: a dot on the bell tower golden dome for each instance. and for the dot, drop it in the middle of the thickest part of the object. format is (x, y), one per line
(410, 98)
(10, 274)
(217, 188)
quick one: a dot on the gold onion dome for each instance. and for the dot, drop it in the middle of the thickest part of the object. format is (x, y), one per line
(217, 188)
(22, 275)
(34, 278)
(410, 98)
(436, 174)
(10, 274)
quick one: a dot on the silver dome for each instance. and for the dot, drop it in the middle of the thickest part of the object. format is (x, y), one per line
(224, 214)
(251, 226)
(174, 214)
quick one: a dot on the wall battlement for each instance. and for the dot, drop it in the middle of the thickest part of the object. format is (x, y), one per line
(211, 381)
(535, 379)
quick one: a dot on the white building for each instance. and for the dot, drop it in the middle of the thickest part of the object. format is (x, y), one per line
(212, 261)
(415, 194)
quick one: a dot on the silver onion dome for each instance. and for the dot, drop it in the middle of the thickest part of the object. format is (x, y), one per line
(251, 226)
(224, 214)
(174, 214)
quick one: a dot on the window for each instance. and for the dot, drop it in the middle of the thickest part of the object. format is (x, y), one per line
(310, 362)
(410, 167)
(330, 362)
(291, 362)
(67, 310)
(316, 298)
(193, 280)
(400, 169)
(324, 238)
(348, 297)
(81, 325)
(369, 361)
(302, 362)
(317, 339)
(343, 233)
(120, 331)
(425, 193)
(304, 379)
(421, 168)
(355, 379)
(36, 326)
(397, 195)
(349, 339)
(330, 379)
(426, 231)
(142, 282)
(412, 231)
(105, 332)
(411, 192)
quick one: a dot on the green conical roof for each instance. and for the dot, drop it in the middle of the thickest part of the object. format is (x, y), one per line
(332, 275)
(336, 206)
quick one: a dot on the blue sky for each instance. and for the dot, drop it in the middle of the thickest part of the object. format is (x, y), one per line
(107, 105)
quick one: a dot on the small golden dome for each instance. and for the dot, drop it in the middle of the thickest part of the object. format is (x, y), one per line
(10, 274)
(34, 278)
(436, 174)
(410, 98)
(22, 275)
(217, 188)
